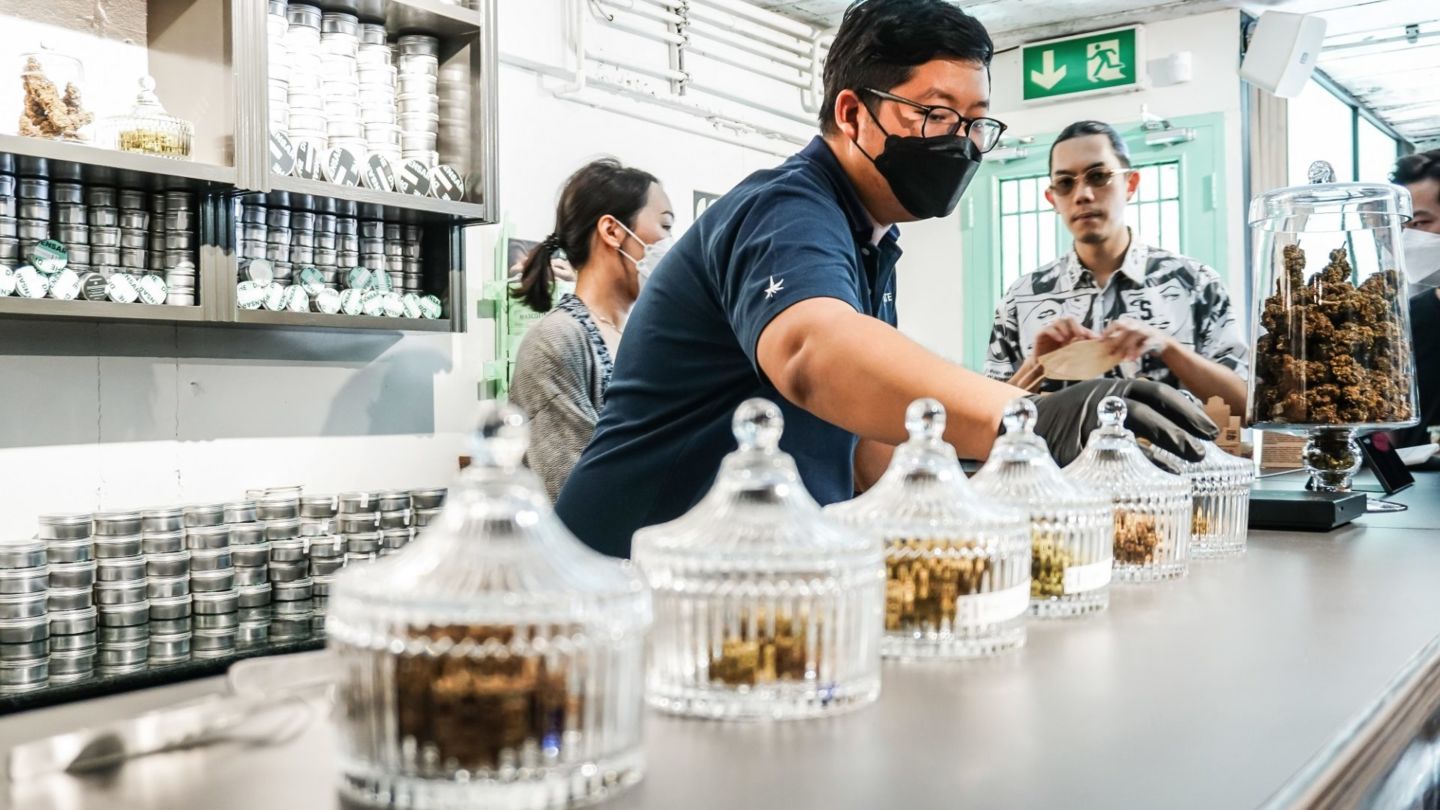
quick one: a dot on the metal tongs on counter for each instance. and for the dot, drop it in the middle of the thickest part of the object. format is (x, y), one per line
(268, 701)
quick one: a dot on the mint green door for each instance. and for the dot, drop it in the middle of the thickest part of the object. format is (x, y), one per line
(1009, 229)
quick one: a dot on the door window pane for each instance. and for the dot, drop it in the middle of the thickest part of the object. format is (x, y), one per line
(1320, 129)
(1377, 153)
(1147, 214)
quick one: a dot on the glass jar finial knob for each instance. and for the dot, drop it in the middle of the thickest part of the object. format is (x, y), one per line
(501, 438)
(758, 424)
(1112, 412)
(1321, 172)
(925, 419)
(1019, 416)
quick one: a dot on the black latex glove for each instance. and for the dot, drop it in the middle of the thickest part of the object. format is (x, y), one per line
(1157, 412)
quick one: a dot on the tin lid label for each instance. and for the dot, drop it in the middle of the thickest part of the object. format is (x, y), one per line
(379, 173)
(430, 307)
(296, 300)
(260, 271)
(275, 297)
(282, 153)
(372, 303)
(414, 178)
(250, 294)
(359, 278)
(49, 257)
(327, 301)
(307, 160)
(380, 281)
(351, 303)
(341, 167)
(152, 289)
(92, 287)
(394, 307)
(30, 283)
(411, 303)
(65, 285)
(446, 183)
(7, 280)
(122, 289)
(312, 281)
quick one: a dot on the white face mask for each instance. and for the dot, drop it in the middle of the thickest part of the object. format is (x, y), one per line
(1422, 259)
(650, 259)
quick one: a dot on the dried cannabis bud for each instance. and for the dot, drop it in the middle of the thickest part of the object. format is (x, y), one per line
(44, 112)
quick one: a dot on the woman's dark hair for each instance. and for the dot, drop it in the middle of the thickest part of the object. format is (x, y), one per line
(1083, 129)
(600, 187)
(880, 42)
(1417, 167)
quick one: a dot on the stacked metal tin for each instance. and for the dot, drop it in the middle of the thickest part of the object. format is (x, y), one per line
(339, 70)
(167, 584)
(134, 230)
(70, 601)
(9, 223)
(377, 94)
(324, 549)
(215, 600)
(24, 627)
(176, 211)
(329, 262)
(121, 592)
(418, 60)
(276, 26)
(289, 572)
(302, 45)
(32, 207)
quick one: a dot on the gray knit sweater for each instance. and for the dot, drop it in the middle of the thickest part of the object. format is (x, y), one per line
(561, 372)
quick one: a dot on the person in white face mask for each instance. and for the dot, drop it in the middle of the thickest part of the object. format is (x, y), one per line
(1420, 174)
(612, 224)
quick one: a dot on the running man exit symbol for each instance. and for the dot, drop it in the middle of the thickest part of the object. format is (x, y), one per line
(1102, 61)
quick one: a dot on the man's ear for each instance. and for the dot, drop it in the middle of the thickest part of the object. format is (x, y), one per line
(847, 114)
(1132, 182)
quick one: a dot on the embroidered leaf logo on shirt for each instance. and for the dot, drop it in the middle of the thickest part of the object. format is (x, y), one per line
(775, 287)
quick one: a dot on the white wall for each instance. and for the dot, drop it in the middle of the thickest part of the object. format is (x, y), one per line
(98, 416)
(931, 300)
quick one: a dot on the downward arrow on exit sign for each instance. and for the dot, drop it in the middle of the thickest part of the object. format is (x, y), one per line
(1100, 62)
(1048, 76)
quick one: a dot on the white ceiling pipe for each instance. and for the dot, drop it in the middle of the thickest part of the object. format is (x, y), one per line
(736, 98)
(793, 81)
(635, 67)
(730, 41)
(800, 46)
(649, 11)
(739, 8)
(692, 108)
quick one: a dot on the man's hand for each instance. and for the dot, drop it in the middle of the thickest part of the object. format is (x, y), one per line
(1156, 412)
(1130, 338)
(1029, 376)
(1060, 333)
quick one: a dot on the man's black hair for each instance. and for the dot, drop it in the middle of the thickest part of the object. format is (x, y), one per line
(1417, 167)
(880, 42)
(1081, 129)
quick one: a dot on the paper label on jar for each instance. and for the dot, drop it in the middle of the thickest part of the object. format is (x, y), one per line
(1089, 577)
(260, 271)
(990, 608)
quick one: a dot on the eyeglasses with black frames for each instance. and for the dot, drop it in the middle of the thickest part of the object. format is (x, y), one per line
(939, 120)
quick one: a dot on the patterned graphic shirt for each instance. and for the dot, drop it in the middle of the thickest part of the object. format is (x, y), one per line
(1177, 295)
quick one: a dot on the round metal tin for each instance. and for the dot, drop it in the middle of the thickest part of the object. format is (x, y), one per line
(207, 537)
(244, 534)
(251, 575)
(74, 526)
(358, 523)
(326, 546)
(253, 596)
(287, 550)
(251, 555)
(282, 529)
(168, 564)
(117, 524)
(171, 648)
(161, 587)
(80, 621)
(24, 581)
(293, 591)
(63, 599)
(212, 604)
(213, 641)
(290, 571)
(15, 674)
(277, 508)
(124, 634)
(107, 548)
(129, 615)
(204, 515)
(120, 569)
(163, 542)
(325, 566)
(401, 519)
(170, 607)
(69, 550)
(125, 653)
(24, 631)
(428, 498)
(72, 574)
(207, 582)
(108, 594)
(168, 519)
(22, 554)
(22, 606)
(210, 559)
(74, 642)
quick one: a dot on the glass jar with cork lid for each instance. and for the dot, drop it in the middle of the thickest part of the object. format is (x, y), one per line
(1152, 507)
(764, 608)
(495, 661)
(957, 568)
(1071, 526)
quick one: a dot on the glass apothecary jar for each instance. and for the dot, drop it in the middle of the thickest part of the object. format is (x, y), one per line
(494, 662)
(52, 106)
(764, 608)
(1332, 347)
(148, 129)
(1072, 527)
(957, 569)
(1152, 507)
(1220, 485)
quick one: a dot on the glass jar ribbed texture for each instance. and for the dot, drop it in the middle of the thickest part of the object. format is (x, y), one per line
(764, 608)
(1152, 507)
(495, 661)
(957, 568)
(1071, 526)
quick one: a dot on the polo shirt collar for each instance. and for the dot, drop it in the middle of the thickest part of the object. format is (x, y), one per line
(818, 153)
(1132, 267)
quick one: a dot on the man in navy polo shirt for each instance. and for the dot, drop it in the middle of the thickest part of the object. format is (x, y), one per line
(785, 289)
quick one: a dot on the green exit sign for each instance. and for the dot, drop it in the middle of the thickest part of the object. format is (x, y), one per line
(1101, 62)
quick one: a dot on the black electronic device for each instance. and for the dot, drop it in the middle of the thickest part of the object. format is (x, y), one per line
(1381, 458)
(1298, 510)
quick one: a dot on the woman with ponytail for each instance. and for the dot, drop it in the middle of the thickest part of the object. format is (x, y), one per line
(612, 225)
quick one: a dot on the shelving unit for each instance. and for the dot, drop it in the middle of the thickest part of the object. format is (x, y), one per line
(216, 50)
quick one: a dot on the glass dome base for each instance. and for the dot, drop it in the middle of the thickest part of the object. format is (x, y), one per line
(1071, 606)
(1205, 548)
(792, 701)
(1150, 573)
(979, 643)
(543, 788)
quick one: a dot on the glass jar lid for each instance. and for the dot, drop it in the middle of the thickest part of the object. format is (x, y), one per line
(924, 491)
(1020, 469)
(757, 517)
(496, 554)
(1323, 205)
(1112, 460)
(147, 105)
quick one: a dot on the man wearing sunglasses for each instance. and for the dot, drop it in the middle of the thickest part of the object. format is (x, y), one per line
(1166, 316)
(785, 289)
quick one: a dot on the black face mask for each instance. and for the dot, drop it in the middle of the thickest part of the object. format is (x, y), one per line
(927, 175)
